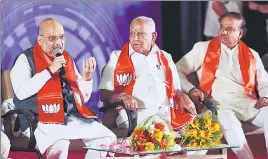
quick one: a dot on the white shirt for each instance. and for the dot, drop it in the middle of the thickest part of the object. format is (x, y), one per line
(228, 84)
(25, 86)
(150, 79)
(212, 24)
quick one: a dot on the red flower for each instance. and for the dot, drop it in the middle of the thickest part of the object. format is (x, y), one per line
(153, 140)
(159, 126)
(141, 147)
(164, 144)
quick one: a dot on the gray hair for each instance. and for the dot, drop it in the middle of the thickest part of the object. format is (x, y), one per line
(145, 20)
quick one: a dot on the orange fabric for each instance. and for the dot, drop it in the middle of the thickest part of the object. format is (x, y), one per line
(124, 80)
(211, 62)
(51, 93)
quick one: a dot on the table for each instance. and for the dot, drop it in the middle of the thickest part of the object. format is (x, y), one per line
(180, 153)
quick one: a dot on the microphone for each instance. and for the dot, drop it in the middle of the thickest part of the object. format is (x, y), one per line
(210, 105)
(62, 70)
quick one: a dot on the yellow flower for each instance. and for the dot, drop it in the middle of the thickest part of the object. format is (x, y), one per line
(193, 133)
(158, 135)
(195, 123)
(192, 143)
(203, 143)
(216, 127)
(149, 146)
(207, 116)
(170, 143)
(207, 122)
(200, 134)
(207, 134)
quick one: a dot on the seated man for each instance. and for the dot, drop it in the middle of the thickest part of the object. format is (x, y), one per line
(228, 72)
(57, 97)
(144, 78)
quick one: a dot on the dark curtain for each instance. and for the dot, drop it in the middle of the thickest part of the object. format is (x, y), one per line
(182, 24)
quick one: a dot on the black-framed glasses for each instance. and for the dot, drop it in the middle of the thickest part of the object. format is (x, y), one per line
(53, 38)
(229, 30)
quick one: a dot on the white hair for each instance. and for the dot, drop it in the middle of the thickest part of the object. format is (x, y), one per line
(146, 20)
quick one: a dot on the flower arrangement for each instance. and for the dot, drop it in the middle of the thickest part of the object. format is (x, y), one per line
(153, 134)
(204, 131)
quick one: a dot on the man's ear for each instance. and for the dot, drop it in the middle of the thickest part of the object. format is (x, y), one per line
(154, 36)
(39, 39)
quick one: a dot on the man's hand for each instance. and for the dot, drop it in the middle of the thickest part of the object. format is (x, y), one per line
(187, 103)
(263, 9)
(89, 66)
(57, 63)
(130, 102)
(262, 102)
(196, 95)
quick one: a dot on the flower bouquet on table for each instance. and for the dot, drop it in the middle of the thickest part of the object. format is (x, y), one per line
(204, 131)
(153, 134)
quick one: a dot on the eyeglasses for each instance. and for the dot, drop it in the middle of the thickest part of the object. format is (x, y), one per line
(139, 34)
(53, 38)
(229, 30)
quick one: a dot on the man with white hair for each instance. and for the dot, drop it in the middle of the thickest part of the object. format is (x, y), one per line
(144, 78)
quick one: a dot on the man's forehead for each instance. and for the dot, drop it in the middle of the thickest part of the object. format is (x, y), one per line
(139, 27)
(230, 21)
(53, 30)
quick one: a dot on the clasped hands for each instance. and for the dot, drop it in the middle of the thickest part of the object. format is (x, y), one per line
(131, 103)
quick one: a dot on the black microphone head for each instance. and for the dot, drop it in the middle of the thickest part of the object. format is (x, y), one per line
(58, 52)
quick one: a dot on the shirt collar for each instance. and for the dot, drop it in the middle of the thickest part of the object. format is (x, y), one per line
(225, 48)
(153, 50)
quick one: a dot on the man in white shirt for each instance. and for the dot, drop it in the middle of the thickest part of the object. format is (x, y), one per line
(139, 74)
(228, 72)
(46, 81)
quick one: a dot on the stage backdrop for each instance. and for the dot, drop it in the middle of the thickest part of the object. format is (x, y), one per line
(91, 28)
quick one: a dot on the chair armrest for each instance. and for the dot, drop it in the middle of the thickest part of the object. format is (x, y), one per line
(132, 115)
(29, 116)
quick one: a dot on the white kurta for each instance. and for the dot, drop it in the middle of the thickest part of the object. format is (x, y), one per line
(47, 134)
(149, 88)
(228, 87)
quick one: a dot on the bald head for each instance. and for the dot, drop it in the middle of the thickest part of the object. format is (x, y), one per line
(47, 24)
(143, 20)
(51, 36)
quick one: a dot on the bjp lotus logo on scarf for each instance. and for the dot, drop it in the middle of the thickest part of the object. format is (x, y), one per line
(51, 108)
(124, 79)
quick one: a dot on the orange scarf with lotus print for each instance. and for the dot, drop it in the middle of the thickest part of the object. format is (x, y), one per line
(211, 62)
(124, 80)
(49, 98)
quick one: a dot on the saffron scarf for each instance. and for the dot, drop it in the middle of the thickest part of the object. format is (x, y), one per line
(211, 62)
(49, 98)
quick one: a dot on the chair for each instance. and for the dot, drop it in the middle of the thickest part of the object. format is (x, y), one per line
(24, 144)
(18, 143)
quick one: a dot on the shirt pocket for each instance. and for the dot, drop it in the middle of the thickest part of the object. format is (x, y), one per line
(161, 73)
